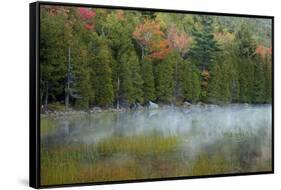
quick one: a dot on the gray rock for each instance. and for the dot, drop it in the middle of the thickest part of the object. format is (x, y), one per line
(187, 104)
(96, 109)
(152, 105)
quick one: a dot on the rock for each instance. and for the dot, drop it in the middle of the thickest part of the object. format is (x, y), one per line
(201, 104)
(96, 110)
(152, 105)
(136, 106)
(139, 106)
(213, 106)
(246, 104)
(187, 104)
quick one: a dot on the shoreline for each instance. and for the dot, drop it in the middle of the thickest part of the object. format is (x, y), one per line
(99, 110)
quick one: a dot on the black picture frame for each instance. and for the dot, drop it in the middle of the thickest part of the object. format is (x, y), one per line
(34, 93)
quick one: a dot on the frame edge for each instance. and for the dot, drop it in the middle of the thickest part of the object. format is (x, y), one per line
(34, 172)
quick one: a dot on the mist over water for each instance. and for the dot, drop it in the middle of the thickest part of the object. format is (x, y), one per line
(234, 138)
(206, 124)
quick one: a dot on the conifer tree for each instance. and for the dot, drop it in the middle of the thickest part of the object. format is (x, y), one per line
(215, 87)
(103, 80)
(148, 81)
(164, 83)
(259, 84)
(205, 47)
(191, 82)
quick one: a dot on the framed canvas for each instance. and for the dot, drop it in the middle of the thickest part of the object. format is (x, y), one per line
(123, 94)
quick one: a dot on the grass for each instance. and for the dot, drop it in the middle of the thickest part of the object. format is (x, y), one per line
(47, 125)
(117, 158)
(138, 145)
(145, 156)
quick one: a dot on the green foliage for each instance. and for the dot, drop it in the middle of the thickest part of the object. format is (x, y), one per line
(215, 88)
(148, 81)
(52, 57)
(191, 82)
(136, 78)
(205, 47)
(102, 79)
(246, 79)
(268, 79)
(259, 84)
(164, 83)
(245, 44)
(124, 57)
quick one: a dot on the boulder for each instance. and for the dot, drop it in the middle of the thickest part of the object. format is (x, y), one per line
(187, 104)
(152, 105)
(96, 110)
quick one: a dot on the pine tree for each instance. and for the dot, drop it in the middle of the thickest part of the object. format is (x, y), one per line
(126, 85)
(53, 57)
(245, 44)
(226, 82)
(136, 78)
(164, 83)
(268, 78)
(259, 84)
(245, 50)
(205, 47)
(246, 80)
(191, 82)
(148, 81)
(215, 87)
(103, 81)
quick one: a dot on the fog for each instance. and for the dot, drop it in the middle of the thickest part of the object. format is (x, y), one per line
(198, 126)
(237, 135)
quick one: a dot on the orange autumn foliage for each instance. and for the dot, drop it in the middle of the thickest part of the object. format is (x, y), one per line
(149, 34)
(179, 40)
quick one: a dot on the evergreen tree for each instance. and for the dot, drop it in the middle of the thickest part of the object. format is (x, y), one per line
(226, 82)
(268, 79)
(53, 57)
(246, 80)
(92, 57)
(103, 81)
(245, 44)
(245, 49)
(136, 78)
(205, 47)
(164, 83)
(191, 82)
(259, 84)
(215, 87)
(148, 81)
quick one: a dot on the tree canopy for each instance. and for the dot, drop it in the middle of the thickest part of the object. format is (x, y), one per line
(117, 58)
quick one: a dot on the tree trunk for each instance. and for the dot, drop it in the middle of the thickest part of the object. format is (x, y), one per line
(47, 94)
(68, 80)
(142, 49)
(117, 96)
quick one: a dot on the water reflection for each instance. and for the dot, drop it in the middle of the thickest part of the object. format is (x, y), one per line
(165, 142)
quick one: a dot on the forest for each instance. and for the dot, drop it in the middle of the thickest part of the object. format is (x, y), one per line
(119, 58)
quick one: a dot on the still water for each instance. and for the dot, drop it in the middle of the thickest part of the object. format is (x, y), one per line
(164, 142)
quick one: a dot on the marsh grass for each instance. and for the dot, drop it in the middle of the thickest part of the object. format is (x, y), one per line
(94, 148)
(116, 158)
(47, 126)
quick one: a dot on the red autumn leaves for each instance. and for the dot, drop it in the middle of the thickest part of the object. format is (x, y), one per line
(157, 44)
(87, 14)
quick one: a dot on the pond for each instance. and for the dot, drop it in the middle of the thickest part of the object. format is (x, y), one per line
(165, 142)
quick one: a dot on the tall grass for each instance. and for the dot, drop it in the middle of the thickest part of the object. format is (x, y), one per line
(116, 158)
